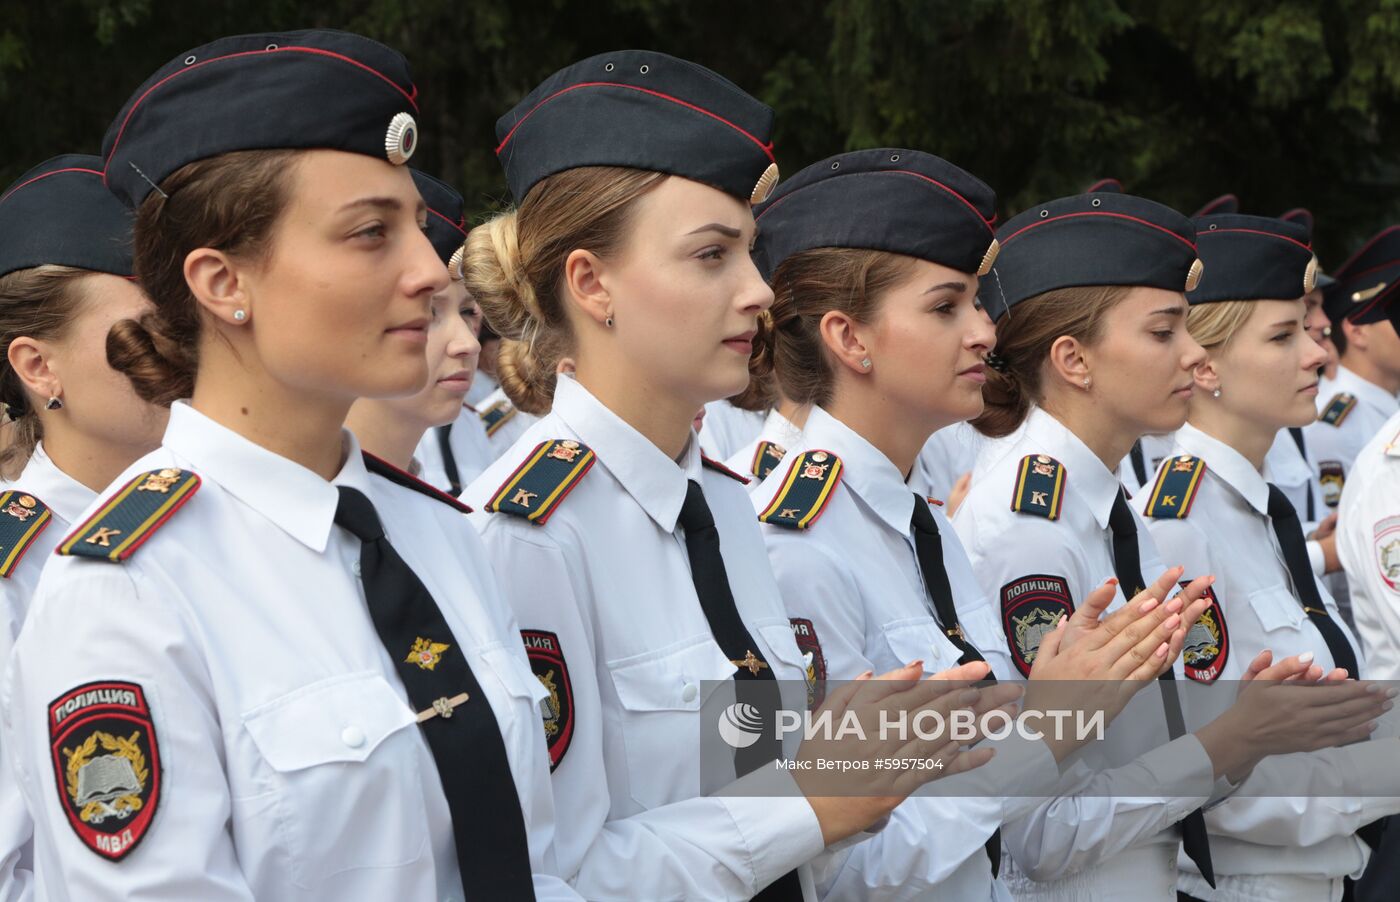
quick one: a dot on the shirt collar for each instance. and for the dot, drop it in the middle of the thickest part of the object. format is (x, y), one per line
(780, 430)
(865, 470)
(1085, 474)
(1226, 463)
(66, 496)
(297, 500)
(655, 482)
(1365, 390)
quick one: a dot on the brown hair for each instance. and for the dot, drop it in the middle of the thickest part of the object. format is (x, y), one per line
(39, 302)
(1213, 325)
(806, 286)
(1024, 337)
(514, 264)
(229, 203)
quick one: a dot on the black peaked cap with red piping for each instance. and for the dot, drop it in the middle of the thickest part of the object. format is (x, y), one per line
(641, 110)
(887, 199)
(59, 213)
(447, 227)
(1253, 258)
(1091, 239)
(1368, 283)
(278, 90)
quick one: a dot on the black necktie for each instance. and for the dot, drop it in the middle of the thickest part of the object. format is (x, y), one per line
(493, 853)
(1139, 462)
(928, 547)
(1295, 554)
(754, 680)
(449, 460)
(1297, 433)
(1127, 566)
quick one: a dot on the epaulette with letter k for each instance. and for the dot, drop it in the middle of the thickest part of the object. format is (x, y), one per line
(536, 488)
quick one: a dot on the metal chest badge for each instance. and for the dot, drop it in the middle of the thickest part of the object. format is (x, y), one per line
(106, 764)
(426, 653)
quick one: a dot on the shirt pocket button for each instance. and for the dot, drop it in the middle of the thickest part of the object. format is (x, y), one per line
(689, 692)
(354, 737)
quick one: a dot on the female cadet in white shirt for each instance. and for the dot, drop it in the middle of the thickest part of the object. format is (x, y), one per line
(393, 428)
(876, 325)
(634, 564)
(243, 676)
(1291, 831)
(1091, 354)
(65, 278)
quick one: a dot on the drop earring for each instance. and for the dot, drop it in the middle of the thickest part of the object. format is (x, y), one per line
(53, 403)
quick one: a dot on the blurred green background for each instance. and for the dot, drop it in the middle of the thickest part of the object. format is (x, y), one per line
(1286, 103)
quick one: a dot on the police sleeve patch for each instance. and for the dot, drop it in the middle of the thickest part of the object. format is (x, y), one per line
(808, 486)
(1337, 409)
(1207, 645)
(132, 515)
(1030, 609)
(1040, 487)
(107, 766)
(1332, 475)
(1178, 480)
(547, 662)
(766, 458)
(813, 659)
(1387, 545)
(496, 416)
(22, 518)
(718, 467)
(538, 486)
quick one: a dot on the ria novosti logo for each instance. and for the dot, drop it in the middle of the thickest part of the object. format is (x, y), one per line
(740, 725)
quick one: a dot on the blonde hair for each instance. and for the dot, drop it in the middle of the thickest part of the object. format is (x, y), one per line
(1024, 337)
(1214, 325)
(513, 265)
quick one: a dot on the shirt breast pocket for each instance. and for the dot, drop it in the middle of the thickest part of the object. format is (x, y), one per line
(919, 639)
(1276, 609)
(345, 760)
(661, 694)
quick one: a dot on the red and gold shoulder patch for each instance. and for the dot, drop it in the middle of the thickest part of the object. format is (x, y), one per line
(1337, 409)
(537, 487)
(496, 416)
(766, 458)
(1040, 487)
(711, 464)
(106, 763)
(131, 516)
(805, 491)
(1178, 481)
(547, 661)
(22, 518)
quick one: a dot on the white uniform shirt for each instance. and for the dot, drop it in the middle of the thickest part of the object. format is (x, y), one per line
(509, 430)
(853, 588)
(1154, 448)
(727, 428)
(777, 429)
(1300, 846)
(1368, 543)
(65, 498)
(609, 576)
(1093, 845)
(1334, 448)
(471, 451)
(946, 456)
(291, 763)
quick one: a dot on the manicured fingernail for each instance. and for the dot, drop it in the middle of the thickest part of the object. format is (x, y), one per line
(1387, 706)
(1306, 657)
(1162, 650)
(1391, 693)
(867, 675)
(1111, 581)
(1148, 605)
(1172, 622)
(919, 664)
(1176, 604)
(968, 696)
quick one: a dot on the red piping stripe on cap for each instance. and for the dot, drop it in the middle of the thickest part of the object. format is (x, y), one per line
(45, 175)
(456, 225)
(1341, 271)
(411, 98)
(766, 148)
(967, 203)
(1306, 247)
(1007, 240)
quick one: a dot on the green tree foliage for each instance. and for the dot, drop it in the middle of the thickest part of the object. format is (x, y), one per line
(1285, 102)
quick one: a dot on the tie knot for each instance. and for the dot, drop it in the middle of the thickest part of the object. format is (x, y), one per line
(923, 517)
(1280, 508)
(695, 513)
(1120, 518)
(356, 514)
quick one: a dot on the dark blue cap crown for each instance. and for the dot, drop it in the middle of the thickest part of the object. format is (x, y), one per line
(295, 89)
(1091, 239)
(1253, 258)
(447, 228)
(1366, 284)
(901, 201)
(1225, 203)
(642, 110)
(59, 213)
